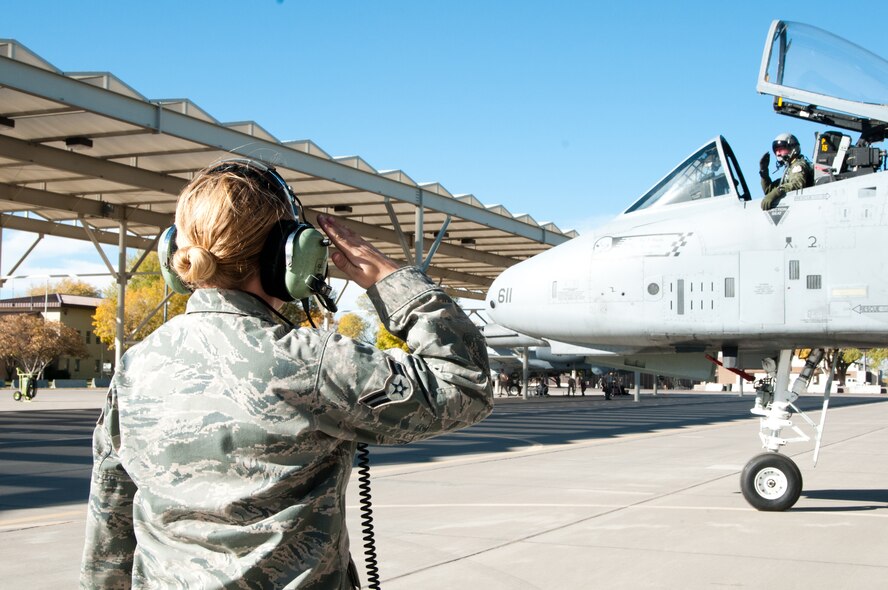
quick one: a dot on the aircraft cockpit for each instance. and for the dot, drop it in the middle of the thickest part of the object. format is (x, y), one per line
(817, 76)
(710, 172)
(813, 75)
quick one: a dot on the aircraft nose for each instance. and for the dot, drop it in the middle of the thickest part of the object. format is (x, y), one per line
(525, 297)
(497, 287)
(508, 295)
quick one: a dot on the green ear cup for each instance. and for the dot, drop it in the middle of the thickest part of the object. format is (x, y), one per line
(306, 260)
(166, 247)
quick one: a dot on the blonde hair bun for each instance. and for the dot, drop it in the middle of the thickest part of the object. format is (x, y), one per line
(195, 264)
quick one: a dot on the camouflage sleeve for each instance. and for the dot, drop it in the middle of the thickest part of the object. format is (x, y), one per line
(110, 539)
(394, 397)
(799, 176)
(768, 184)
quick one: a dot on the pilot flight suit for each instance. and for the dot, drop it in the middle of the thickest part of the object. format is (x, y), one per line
(799, 174)
(226, 443)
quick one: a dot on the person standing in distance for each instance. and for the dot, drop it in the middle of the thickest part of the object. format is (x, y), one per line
(226, 442)
(799, 173)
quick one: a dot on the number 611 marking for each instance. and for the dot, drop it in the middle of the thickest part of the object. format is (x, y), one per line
(504, 295)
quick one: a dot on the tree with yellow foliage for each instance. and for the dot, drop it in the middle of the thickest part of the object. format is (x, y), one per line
(66, 286)
(353, 326)
(386, 340)
(849, 356)
(144, 292)
(293, 311)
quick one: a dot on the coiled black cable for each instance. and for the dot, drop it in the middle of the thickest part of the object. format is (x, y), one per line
(367, 516)
(363, 484)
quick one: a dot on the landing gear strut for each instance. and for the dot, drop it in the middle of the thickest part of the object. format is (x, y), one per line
(771, 481)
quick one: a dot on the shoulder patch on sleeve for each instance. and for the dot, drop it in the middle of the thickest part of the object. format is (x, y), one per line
(796, 168)
(397, 387)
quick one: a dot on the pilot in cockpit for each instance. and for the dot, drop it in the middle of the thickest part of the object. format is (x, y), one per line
(798, 174)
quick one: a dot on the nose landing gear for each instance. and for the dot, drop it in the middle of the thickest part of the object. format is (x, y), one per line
(771, 481)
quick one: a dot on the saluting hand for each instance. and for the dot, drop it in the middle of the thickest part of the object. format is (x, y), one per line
(764, 163)
(356, 257)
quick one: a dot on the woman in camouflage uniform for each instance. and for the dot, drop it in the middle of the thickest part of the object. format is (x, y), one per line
(223, 451)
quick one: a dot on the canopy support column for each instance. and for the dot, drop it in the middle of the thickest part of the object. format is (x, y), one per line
(405, 247)
(121, 293)
(161, 305)
(92, 238)
(418, 244)
(435, 244)
(524, 373)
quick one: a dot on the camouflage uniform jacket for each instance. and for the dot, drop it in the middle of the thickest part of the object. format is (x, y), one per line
(799, 174)
(223, 452)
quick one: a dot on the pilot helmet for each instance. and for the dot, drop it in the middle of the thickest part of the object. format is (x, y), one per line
(788, 144)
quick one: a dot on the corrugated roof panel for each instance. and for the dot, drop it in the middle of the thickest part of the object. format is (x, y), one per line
(185, 107)
(309, 147)
(252, 129)
(399, 176)
(107, 81)
(12, 49)
(356, 162)
(435, 187)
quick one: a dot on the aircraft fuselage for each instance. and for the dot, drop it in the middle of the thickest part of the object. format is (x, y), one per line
(717, 271)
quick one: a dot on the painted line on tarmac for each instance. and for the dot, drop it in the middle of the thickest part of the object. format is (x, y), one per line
(31, 521)
(535, 448)
(845, 512)
(494, 505)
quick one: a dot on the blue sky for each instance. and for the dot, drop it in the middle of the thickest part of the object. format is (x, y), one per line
(566, 111)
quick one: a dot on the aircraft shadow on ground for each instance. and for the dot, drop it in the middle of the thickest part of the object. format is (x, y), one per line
(875, 499)
(46, 455)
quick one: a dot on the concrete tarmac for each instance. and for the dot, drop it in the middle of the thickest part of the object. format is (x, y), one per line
(551, 493)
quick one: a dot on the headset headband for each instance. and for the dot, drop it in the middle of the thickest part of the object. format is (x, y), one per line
(264, 173)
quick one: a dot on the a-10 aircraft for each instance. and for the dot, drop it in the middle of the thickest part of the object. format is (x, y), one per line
(695, 268)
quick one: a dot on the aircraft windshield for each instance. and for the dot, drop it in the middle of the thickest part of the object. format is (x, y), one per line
(700, 177)
(810, 59)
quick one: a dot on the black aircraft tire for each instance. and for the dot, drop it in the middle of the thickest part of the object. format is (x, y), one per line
(771, 482)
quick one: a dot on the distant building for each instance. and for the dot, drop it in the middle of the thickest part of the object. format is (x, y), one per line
(74, 311)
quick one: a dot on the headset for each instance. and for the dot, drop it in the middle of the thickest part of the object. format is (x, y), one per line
(293, 262)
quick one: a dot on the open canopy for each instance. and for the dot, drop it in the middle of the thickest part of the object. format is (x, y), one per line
(825, 75)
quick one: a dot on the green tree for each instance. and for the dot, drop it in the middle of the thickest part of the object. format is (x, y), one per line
(32, 343)
(852, 355)
(144, 292)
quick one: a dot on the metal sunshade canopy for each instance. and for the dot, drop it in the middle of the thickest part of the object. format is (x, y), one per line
(83, 155)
